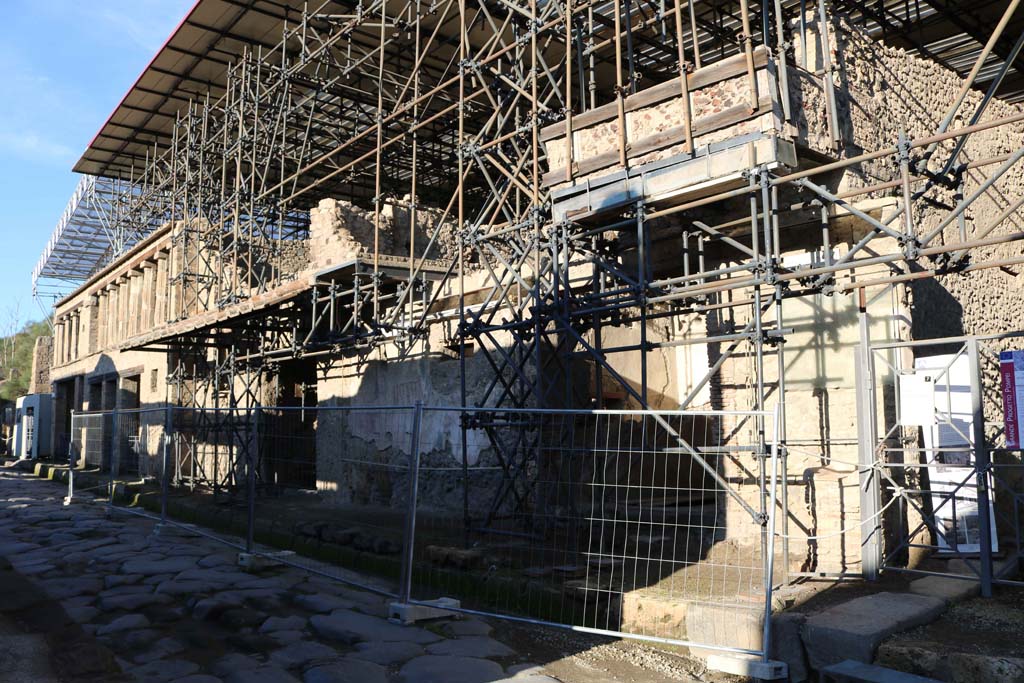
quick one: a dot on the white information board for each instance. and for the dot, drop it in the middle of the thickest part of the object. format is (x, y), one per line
(948, 447)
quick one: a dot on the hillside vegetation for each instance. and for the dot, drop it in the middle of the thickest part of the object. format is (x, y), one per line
(16, 358)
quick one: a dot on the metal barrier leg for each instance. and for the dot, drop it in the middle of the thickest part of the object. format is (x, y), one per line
(115, 456)
(251, 461)
(71, 462)
(403, 611)
(982, 467)
(165, 474)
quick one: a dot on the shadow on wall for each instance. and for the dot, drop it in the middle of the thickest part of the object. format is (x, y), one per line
(937, 313)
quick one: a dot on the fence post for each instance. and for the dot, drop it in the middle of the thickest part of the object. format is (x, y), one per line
(981, 468)
(252, 459)
(71, 461)
(165, 454)
(769, 563)
(870, 492)
(409, 537)
(115, 450)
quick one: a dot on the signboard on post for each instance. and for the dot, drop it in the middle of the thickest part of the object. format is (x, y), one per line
(1011, 368)
(949, 443)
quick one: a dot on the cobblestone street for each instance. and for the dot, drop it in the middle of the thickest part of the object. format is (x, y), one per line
(91, 596)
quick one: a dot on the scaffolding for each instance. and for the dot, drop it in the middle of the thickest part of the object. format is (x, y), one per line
(479, 111)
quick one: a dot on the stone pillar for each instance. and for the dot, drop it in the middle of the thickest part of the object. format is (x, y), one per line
(122, 309)
(111, 317)
(75, 335)
(89, 319)
(161, 289)
(58, 342)
(148, 296)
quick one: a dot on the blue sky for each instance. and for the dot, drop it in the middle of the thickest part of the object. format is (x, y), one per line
(64, 66)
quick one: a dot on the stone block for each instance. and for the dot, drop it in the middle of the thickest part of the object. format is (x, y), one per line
(346, 671)
(387, 653)
(303, 653)
(283, 624)
(786, 645)
(350, 626)
(129, 621)
(974, 668)
(322, 603)
(858, 672)
(468, 627)
(723, 626)
(854, 629)
(921, 658)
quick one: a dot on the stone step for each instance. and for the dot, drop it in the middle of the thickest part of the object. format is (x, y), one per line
(850, 671)
(854, 629)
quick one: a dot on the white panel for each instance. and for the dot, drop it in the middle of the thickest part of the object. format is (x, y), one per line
(948, 448)
(691, 367)
(917, 399)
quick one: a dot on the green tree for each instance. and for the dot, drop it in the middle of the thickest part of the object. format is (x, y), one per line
(16, 358)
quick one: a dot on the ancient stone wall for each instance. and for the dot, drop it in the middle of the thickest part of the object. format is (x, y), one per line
(720, 109)
(882, 91)
(821, 419)
(42, 358)
(362, 456)
(293, 257)
(340, 231)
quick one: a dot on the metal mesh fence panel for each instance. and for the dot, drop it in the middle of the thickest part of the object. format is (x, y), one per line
(613, 521)
(357, 459)
(90, 440)
(651, 525)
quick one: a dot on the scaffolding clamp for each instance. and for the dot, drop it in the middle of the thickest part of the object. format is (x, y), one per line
(774, 337)
(911, 247)
(903, 147)
(828, 287)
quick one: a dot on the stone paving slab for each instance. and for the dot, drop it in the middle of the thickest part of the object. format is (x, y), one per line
(347, 670)
(387, 653)
(345, 624)
(176, 608)
(468, 627)
(437, 669)
(471, 646)
(322, 604)
(301, 654)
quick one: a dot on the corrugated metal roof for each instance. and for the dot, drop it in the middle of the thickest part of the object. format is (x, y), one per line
(215, 33)
(194, 60)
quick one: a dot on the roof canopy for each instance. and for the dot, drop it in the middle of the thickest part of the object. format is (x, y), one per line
(192, 63)
(215, 33)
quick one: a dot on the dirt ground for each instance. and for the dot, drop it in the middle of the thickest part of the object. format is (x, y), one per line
(991, 627)
(582, 658)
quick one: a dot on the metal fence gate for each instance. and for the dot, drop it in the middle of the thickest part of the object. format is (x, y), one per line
(643, 524)
(942, 492)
